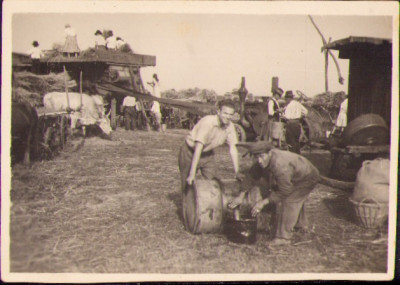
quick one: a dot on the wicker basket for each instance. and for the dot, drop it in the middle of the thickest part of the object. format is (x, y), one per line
(370, 213)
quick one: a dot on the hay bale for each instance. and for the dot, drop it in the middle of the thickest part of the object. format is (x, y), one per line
(31, 87)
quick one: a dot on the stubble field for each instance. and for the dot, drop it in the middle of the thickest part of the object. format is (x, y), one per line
(115, 207)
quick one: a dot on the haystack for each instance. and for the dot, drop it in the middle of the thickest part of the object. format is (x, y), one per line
(31, 87)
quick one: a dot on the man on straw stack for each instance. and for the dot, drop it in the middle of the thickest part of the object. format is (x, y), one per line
(209, 133)
(295, 178)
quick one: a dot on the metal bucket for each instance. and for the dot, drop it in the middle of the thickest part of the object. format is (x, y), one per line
(241, 227)
(203, 207)
(242, 230)
(277, 130)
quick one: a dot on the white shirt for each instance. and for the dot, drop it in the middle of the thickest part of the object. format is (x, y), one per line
(156, 88)
(271, 104)
(35, 53)
(208, 131)
(294, 110)
(341, 120)
(129, 101)
(120, 43)
(100, 41)
(111, 42)
(156, 107)
(70, 32)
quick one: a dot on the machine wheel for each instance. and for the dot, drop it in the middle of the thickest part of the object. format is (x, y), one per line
(367, 129)
(241, 133)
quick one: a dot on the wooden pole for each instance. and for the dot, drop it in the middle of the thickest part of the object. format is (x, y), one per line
(326, 71)
(80, 88)
(113, 113)
(66, 87)
(133, 83)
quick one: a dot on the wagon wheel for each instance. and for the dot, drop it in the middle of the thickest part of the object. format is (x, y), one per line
(304, 138)
(46, 144)
(63, 131)
(241, 133)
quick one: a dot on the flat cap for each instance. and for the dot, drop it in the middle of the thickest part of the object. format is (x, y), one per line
(256, 147)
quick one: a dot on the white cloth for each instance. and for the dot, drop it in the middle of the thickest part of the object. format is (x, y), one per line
(120, 43)
(70, 32)
(156, 107)
(111, 42)
(294, 110)
(209, 132)
(35, 53)
(341, 120)
(100, 41)
(271, 104)
(129, 101)
(156, 88)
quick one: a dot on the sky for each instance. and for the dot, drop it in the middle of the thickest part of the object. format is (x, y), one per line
(214, 51)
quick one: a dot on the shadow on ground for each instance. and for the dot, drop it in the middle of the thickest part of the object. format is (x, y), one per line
(341, 208)
(177, 199)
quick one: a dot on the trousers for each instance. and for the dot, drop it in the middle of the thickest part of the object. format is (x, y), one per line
(293, 130)
(206, 164)
(290, 212)
(130, 118)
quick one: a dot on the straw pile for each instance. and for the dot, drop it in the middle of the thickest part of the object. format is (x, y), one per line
(193, 94)
(31, 87)
(329, 100)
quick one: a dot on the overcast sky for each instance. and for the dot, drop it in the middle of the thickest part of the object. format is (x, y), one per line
(214, 51)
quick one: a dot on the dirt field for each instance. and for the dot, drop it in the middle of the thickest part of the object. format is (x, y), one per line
(114, 207)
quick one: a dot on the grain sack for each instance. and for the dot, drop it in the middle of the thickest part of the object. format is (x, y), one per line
(373, 181)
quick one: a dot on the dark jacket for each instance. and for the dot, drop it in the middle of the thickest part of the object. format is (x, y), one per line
(287, 169)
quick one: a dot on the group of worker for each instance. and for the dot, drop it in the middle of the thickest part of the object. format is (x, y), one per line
(69, 49)
(107, 40)
(132, 109)
(291, 115)
(293, 175)
(290, 176)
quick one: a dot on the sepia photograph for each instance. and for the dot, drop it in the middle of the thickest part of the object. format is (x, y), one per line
(199, 141)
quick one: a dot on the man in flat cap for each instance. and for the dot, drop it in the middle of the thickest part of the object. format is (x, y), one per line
(294, 111)
(295, 177)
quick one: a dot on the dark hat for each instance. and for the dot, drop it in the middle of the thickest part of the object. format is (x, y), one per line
(35, 43)
(98, 32)
(256, 147)
(278, 91)
(118, 38)
(289, 94)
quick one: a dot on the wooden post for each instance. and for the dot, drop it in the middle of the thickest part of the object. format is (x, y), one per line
(133, 83)
(80, 88)
(66, 87)
(326, 71)
(113, 113)
(274, 84)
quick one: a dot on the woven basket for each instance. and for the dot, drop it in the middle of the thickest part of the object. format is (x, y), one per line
(370, 213)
